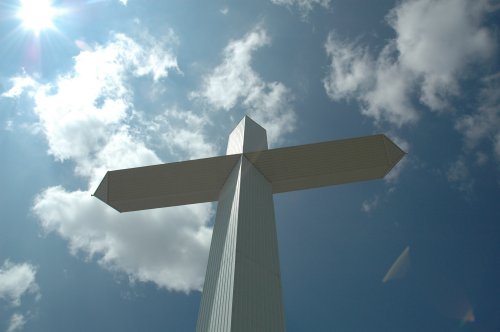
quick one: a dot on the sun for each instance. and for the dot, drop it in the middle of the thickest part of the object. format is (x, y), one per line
(37, 15)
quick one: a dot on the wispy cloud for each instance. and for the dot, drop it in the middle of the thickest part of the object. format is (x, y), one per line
(17, 322)
(305, 6)
(458, 175)
(484, 124)
(234, 82)
(370, 204)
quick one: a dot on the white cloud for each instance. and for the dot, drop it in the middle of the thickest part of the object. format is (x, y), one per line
(124, 2)
(381, 86)
(16, 280)
(20, 84)
(224, 10)
(389, 97)
(121, 150)
(184, 133)
(350, 71)
(436, 43)
(271, 106)
(166, 246)
(234, 81)
(234, 78)
(437, 40)
(89, 117)
(305, 6)
(86, 111)
(17, 322)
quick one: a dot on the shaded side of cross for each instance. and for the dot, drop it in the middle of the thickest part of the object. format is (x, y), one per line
(242, 289)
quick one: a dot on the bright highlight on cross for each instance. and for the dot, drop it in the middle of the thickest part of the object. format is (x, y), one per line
(37, 15)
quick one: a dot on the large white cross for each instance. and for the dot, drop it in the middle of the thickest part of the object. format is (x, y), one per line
(242, 289)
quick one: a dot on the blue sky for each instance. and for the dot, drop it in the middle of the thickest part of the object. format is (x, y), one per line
(109, 84)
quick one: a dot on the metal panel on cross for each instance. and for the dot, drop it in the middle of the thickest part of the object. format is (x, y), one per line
(287, 169)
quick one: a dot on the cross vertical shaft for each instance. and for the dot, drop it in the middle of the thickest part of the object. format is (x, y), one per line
(242, 290)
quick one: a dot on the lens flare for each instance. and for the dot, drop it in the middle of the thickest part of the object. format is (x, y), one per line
(400, 267)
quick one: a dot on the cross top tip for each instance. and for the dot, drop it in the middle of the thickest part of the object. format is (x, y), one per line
(248, 136)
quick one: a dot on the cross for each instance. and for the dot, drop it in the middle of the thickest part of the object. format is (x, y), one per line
(242, 289)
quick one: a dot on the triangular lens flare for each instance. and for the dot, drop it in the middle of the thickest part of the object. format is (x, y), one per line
(400, 267)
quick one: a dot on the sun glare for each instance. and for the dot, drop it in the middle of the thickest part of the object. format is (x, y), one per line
(37, 15)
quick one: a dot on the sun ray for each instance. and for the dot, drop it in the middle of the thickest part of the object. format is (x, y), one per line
(37, 15)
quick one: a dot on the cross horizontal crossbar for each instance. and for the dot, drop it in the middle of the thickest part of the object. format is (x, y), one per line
(287, 169)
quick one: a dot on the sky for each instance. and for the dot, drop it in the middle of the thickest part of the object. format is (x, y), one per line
(90, 86)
